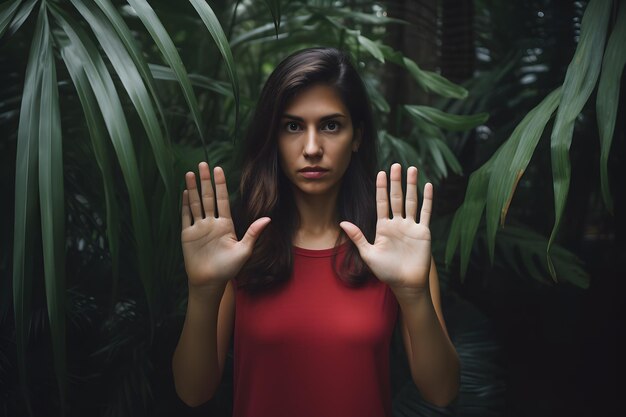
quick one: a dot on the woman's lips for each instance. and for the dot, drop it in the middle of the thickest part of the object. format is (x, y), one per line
(313, 173)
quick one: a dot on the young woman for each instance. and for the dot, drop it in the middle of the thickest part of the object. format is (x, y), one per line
(312, 303)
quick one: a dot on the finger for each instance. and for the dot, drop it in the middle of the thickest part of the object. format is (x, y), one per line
(411, 193)
(223, 206)
(194, 198)
(185, 211)
(253, 232)
(395, 195)
(382, 204)
(427, 205)
(356, 236)
(208, 199)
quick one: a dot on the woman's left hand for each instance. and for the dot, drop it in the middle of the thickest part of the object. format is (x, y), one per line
(400, 255)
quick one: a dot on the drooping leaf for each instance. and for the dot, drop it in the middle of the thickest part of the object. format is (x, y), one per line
(135, 87)
(436, 155)
(263, 31)
(111, 108)
(433, 82)
(395, 149)
(371, 47)
(133, 49)
(467, 218)
(21, 16)
(97, 130)
(7, 11)
(376, 97)
(523, 251)
(52, 206)
(580, 80)
(215, 29)
(512, 161)
(170, 54)
(428, 80)
(445, 120)
(448, 156)
(26, 200)
(607, 98)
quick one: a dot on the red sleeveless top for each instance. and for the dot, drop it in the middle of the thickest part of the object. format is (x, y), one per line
(315, 347)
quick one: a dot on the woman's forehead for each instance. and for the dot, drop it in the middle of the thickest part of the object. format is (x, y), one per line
(319, 99)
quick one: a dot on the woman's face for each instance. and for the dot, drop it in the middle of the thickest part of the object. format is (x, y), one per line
(316, 140)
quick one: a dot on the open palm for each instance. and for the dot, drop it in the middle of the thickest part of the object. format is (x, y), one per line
(211, 250)
(401, 253)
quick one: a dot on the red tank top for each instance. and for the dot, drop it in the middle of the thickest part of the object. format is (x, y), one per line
(315, 347)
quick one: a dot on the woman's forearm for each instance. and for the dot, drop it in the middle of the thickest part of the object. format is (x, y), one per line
(433, 359)
(195, 363)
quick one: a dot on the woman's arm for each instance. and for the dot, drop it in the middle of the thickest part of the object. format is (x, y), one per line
(213, 257)
(198, 362)
(432, 358)
(401, 257)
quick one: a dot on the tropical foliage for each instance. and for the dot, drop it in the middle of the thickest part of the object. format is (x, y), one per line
(107, 103)
(491, 187)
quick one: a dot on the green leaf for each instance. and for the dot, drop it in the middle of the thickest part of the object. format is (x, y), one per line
(436, 155)
(372, 48)
(133, 49)
(467, 217)
(608, 97)
(274, 6)
(441, 155)
(523, 250)
(449, 156)
(580, 80)
(215, 29)
(21, 16)
(170, 54)
(376, 97)
(428, 80)
(26, 204)
(433, 82)
(52, 205)
(97, 130)
(512, 161)
(161, 72)
(264, 30)
(398, 150)
(115, 121)
(7, 10)
(133, 83)
(445, 120)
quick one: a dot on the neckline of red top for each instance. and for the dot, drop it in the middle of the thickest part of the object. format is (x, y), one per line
(321, 253)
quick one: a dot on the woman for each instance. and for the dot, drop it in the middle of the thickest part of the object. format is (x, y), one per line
(311, 302)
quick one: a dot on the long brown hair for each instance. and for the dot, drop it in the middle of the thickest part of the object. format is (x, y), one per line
(264, 189)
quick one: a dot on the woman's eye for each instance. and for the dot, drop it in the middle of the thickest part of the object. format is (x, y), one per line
(332, 126)
(291, 126)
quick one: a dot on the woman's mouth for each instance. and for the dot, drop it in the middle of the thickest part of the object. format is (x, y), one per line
(313, 172)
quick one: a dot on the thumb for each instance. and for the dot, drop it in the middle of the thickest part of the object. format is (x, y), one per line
(253, 232)
(356, 236)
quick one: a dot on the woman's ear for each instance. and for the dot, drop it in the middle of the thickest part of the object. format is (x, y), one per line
(356, 139)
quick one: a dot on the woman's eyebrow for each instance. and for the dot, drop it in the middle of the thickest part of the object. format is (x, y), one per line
(300, 119)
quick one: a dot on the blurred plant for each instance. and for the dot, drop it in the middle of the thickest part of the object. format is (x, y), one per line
(491, 187)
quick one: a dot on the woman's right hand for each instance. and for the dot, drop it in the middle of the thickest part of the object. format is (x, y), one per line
(211, 251)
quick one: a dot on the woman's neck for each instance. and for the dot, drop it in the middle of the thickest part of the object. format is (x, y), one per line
(319, 223)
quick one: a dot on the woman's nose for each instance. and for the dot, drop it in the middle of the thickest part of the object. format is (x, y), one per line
(312, 147)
